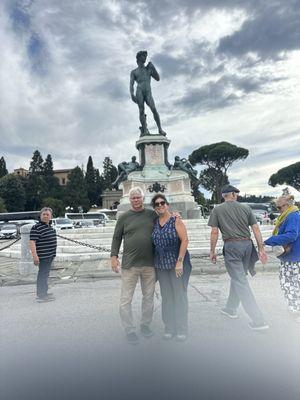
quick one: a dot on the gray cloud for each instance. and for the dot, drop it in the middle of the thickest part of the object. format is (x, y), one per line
(270, 31)
(222, 92)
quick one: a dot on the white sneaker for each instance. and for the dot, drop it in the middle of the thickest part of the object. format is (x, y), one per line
(168, 336)
(181, 338)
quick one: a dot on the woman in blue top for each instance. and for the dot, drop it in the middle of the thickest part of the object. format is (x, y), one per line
(173, 267)
(287, 234)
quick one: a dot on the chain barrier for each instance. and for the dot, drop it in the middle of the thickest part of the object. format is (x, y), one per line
(107, 250)
(11, 243)
(100, 248)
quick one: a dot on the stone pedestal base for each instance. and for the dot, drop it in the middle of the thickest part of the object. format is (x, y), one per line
(157, 177)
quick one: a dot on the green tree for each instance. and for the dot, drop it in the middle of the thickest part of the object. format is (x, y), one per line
(199, 197)
(76, 191)
(56, 205)
(35, 186)
(12, 192)
(213, 180)
(289, 175)
(91, 184)
(110, 173)
(252, 198)
(36, 164)
(2, 206)
(217, 157)
(52, 187)
(3, 170)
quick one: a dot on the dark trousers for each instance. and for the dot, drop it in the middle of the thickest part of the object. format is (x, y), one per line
(174, 301)
(43, 274)
(237, 255)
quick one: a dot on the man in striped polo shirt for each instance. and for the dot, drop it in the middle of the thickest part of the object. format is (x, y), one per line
(43, 243)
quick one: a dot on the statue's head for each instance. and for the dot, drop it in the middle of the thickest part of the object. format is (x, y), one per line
(177, 158)
(141, 56)
(133, 158)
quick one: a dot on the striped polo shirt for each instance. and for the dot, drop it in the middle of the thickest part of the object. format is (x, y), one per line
(45, 240)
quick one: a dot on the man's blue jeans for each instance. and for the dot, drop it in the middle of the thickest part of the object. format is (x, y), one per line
(43, 274)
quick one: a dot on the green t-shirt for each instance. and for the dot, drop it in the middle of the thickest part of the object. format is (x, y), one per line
(135, 228)
(233, 219)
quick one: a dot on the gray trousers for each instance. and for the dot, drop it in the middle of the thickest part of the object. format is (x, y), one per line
(237, 255)
(174, 301)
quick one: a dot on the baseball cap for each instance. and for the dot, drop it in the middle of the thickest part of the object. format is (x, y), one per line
(229, 189)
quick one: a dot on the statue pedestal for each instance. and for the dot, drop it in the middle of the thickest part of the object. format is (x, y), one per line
(156, 177)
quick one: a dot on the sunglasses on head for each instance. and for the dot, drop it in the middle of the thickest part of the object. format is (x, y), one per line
(159, 203)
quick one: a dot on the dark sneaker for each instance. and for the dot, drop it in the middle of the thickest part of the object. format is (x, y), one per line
(45, 299)
(258, 326)
(228, 313)
(132, 338)
(146, 331)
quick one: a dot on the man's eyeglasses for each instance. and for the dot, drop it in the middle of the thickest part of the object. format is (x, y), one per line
(159, 203)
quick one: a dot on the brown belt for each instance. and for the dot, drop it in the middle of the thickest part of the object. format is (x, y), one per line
(236, 239)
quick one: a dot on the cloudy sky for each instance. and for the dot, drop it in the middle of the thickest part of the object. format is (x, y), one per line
(230, 70)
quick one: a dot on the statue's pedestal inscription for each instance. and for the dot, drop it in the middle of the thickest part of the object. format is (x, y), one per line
(156, 175)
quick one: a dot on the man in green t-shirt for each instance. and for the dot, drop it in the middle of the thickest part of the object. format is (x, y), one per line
(134, 227)
(233, 219)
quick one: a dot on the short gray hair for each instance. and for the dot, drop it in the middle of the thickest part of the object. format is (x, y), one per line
(136, 191)
(225, 195)
(46, 209)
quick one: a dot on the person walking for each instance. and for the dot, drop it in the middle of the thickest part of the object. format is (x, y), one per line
(173, 268)
(233, 220)
(287, 234)
(134, 228)
(43, 243)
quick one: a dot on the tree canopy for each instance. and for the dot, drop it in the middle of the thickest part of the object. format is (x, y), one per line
(93, 183)
(110, 173)
(76, 192)
(12, 192)
(289, 175)
(218, 157)
(3, 169)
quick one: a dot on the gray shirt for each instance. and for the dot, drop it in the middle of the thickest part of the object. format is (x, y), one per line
(233, 219)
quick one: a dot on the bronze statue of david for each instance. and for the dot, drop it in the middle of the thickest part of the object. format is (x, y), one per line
(142, 76)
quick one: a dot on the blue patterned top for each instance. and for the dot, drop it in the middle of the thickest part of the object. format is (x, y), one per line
(166, 244)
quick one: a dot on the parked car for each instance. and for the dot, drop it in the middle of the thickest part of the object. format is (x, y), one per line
(85, 223)
(62, 224)
(8, 231)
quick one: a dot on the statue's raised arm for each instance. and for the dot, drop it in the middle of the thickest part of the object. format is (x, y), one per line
(142, 76)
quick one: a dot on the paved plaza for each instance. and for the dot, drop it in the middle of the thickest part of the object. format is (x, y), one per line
(74, 348)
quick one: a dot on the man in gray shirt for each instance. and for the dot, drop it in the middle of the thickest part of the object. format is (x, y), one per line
(233, 219)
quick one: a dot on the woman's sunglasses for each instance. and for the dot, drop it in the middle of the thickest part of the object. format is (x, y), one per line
(159, 203)
(280, 207)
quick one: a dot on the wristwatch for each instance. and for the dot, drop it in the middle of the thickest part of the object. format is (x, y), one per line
(180, 259)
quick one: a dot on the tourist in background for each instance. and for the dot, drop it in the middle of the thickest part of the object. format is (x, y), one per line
(173, 268)
(43, 243)
(287, 234)
(233, 219)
